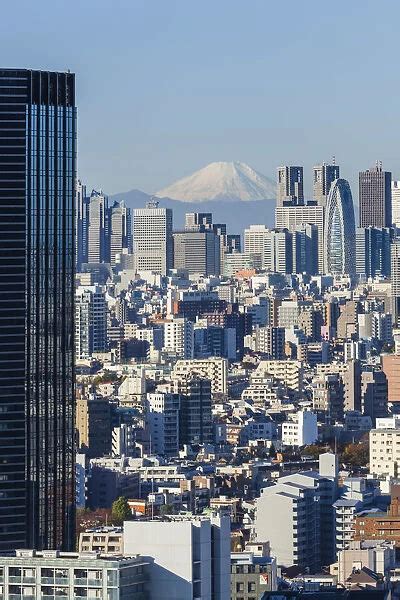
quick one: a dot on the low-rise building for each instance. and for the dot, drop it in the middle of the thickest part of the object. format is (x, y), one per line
(48, 574)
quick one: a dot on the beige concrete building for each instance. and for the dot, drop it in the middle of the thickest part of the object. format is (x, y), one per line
(215, 369)
(384, 452)
(391, 368)
(289, 372)
(107, 540)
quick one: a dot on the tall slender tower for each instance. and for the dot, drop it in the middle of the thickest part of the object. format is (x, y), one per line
(375, 197)
(37, 251)
(120, 230)
(340, 230)
(97, 229)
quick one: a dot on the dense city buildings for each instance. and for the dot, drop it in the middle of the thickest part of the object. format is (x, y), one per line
(224, 423)
(37, 255)
(210, 379)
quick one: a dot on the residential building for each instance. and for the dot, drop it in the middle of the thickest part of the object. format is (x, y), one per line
(391, 368)
(214, 369)
(200, 565)
(252, 575)
(162, 420)
(90, 321)
(300, 429)
(384, 452)
(106, 540)
(93, 424)
(195, 417)
(178, 337)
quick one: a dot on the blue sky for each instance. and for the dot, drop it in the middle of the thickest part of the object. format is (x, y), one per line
(166, 86)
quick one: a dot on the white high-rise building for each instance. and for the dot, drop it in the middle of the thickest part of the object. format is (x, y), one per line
(395, 277)
(120, 234)
(254, 243)
(162, 419)
(290, 217)
(191, 556)
(300, 429)
(90, 321)
(179, 337)
(153, 241)
(97, 227)
(396, 203)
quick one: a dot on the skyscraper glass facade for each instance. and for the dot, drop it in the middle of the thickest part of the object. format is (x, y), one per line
(340, 233)
(37, 178)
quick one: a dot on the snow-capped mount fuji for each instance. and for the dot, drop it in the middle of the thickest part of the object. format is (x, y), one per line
(222, 181)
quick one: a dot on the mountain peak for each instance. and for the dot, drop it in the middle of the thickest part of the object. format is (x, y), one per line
(226, 181)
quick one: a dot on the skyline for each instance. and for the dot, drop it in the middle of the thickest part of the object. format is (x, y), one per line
(231, 87)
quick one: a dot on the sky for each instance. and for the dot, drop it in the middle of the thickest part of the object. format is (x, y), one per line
(165, 87)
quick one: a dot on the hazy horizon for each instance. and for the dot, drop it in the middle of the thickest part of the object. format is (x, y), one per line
(167, 88)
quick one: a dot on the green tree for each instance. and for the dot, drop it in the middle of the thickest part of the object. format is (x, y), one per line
(120, 511)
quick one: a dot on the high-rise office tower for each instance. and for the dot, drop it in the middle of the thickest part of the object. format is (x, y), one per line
(120, 231)
(290, 186)
(340, 231)
(305, 249)
(375, 198)
(373, 251)
(97, 228)
(396, 203)
(291, 217)
(81, 224)
(278, 251)
(37, 255)
(254, 243)
(153, 242)
(395, 277)
(324, 176)
(197, 251)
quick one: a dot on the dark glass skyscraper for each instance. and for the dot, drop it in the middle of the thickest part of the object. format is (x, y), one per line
(37, 178)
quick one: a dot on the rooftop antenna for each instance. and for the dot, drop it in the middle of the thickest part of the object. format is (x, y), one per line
(334, 160)
(152, 203)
